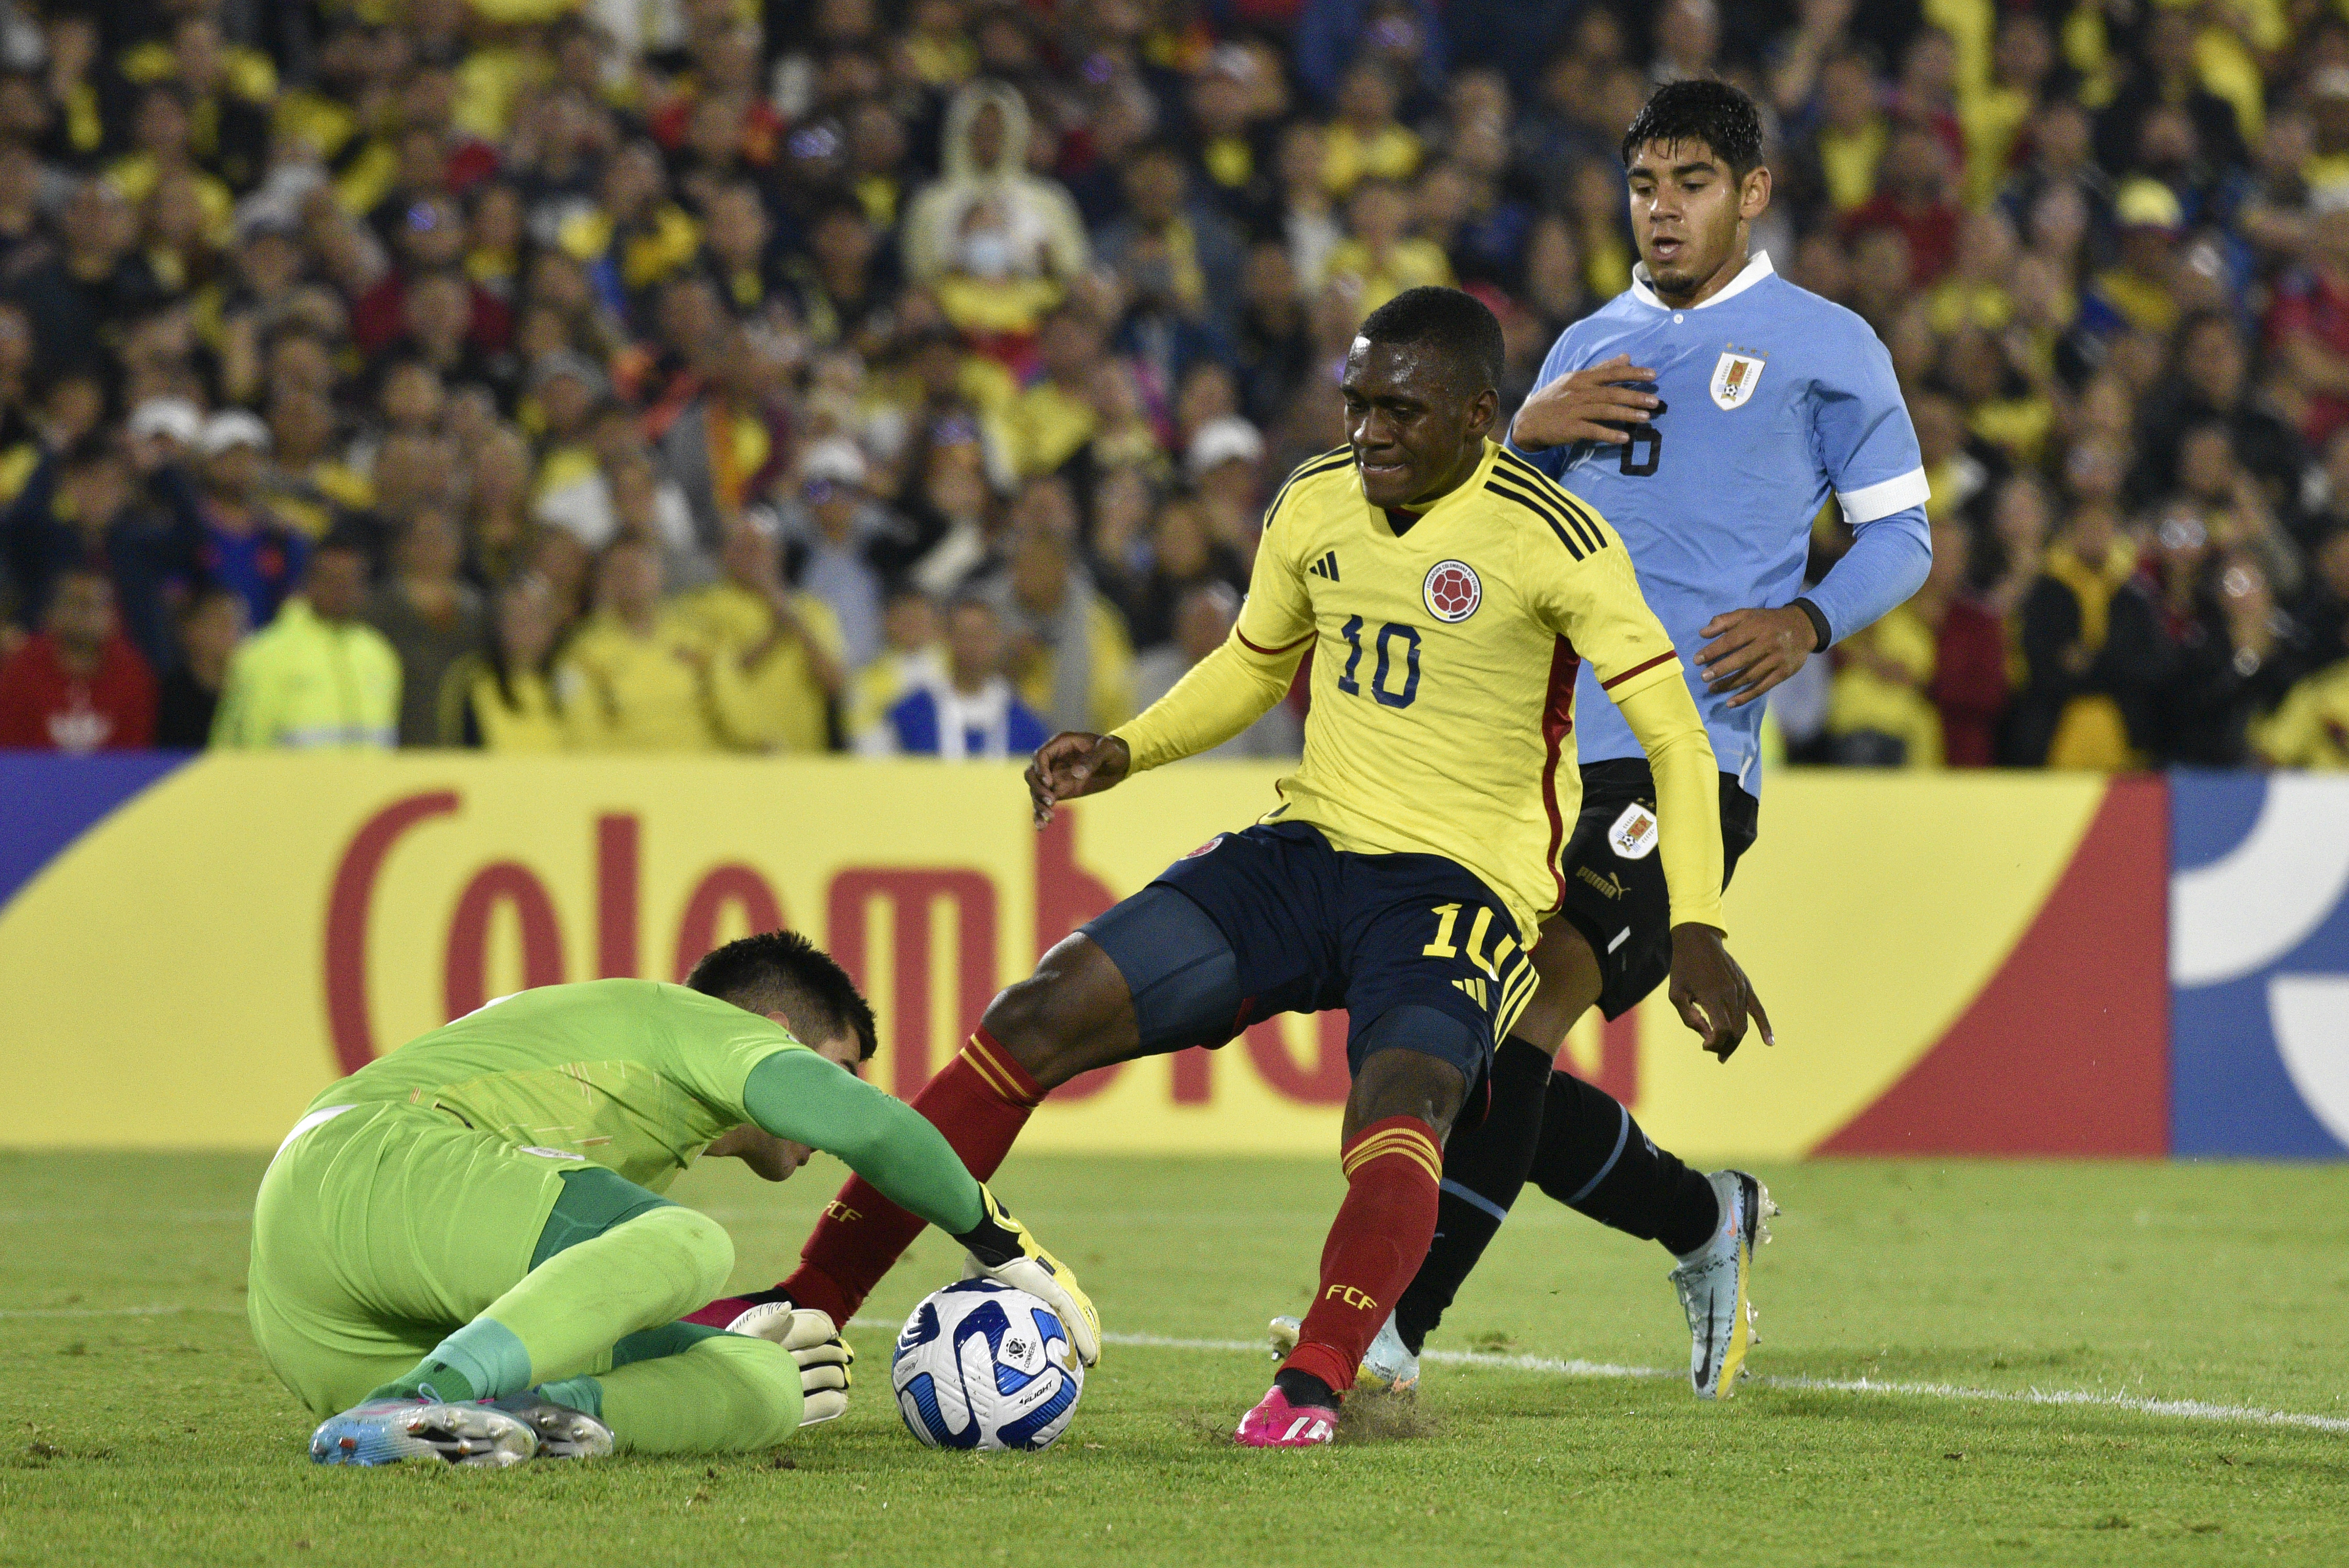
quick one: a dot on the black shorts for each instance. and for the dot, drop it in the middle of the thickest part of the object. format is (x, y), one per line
(1305, 927)
(1618, 900)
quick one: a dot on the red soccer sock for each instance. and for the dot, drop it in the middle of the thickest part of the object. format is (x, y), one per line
(980, 1101)
(1376, 1245)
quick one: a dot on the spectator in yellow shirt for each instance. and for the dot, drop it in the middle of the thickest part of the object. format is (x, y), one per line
(1382, 258)
(1973, 292)
(1366, 141)
(161, 131)
(1200, 246)
(1877, 711)
(1994, 115)
(996, 241)
(2310, 728)
(637, 677)
(2140, 291)
(776, 664)
(912, 655)
(1853, 129)
(500, 698)
(1052, 419)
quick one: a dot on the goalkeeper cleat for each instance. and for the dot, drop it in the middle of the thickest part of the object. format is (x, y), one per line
(563, 1432)
(1387, 1367)
(385, 1431)
(1713, 1285)
(1275, 1423)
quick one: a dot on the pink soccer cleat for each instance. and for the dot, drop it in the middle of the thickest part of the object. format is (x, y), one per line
(1275, 1423)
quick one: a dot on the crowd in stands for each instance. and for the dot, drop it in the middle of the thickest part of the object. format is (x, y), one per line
(908, 376)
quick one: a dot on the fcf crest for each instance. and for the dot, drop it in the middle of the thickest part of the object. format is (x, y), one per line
(1452, 591)
(1734, 376)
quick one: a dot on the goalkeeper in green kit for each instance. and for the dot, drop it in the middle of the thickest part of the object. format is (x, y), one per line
(463, 1249)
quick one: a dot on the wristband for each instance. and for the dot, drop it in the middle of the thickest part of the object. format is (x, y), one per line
(1818, 624)
(991, 1242)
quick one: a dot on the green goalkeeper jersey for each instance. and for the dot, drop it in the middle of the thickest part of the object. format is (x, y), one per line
(634, 1075)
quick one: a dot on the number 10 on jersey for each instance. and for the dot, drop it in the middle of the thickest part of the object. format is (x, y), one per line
(1381, 688)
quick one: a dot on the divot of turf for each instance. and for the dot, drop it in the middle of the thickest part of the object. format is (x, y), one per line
(1203, 1428)
(1380, 1415)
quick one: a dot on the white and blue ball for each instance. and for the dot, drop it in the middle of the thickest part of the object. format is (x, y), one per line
(981, 1365)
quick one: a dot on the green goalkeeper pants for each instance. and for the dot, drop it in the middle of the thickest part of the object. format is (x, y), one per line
(382, 1231)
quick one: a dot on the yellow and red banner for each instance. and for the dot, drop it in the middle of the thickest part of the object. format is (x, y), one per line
(191, 949)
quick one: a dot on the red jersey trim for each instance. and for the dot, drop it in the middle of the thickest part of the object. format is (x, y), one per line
(1557, 723)
(1638, 670)
(1271, 652)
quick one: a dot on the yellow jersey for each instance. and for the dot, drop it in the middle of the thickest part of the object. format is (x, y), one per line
(1443, 671)
(622, 692)
(476, 712)
(1863, 697)
(2311, 730)
(779, 705)
(1412, 264)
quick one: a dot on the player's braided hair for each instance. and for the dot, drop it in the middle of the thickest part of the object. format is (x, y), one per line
(1458, 323)
(783, 972)
(1712, 113)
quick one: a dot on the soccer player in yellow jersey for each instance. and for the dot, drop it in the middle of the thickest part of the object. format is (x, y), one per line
(1451, 594)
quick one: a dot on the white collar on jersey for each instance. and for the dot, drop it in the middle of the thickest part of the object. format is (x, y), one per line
(1756, 270)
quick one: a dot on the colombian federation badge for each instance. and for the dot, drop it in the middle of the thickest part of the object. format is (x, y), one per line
(1734, 376)
(1452, 591)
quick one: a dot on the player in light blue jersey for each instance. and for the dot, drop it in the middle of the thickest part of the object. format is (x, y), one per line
(1708, 414)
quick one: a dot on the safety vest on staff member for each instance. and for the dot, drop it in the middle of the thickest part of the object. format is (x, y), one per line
(309, 681)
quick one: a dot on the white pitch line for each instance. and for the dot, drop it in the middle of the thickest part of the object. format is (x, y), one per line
(113, 1312)
(2186, 1410)
(83, 1216)
(2180, 1409)
(2183, 1409)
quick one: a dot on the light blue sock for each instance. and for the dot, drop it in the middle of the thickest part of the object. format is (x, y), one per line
(488, 1355)
(583, 1395)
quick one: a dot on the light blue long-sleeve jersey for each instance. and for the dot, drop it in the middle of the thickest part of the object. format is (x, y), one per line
(1774, 397)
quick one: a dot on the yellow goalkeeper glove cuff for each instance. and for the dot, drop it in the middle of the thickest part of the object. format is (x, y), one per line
(1001, 1250)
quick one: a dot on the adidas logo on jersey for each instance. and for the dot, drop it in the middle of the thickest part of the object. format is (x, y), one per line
(1474, 989)
(1327, 566)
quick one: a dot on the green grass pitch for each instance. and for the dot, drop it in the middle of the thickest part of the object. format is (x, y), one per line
(138, 1425)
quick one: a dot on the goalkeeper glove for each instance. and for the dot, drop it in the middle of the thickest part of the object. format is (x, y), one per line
(824, 1358)
(1001, 1250)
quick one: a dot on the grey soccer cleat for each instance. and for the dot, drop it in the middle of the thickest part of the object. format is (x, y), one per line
(563, 1432)
(1387, 1366)
(1713, 1281)
(385, 1431)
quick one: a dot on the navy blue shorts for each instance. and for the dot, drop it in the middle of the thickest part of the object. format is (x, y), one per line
(1305, 927)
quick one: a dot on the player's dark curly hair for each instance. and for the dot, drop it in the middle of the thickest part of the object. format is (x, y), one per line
(1712, 113)
(783, 972)
(1459, 324)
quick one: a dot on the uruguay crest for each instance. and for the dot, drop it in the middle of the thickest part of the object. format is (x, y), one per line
(1734, 376)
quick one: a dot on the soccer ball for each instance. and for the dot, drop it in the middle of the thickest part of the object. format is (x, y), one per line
(981, 1365)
